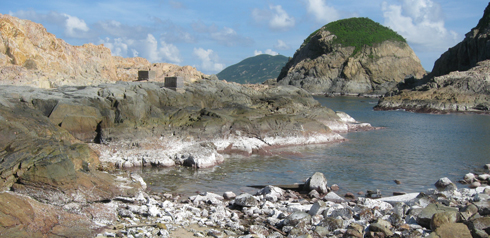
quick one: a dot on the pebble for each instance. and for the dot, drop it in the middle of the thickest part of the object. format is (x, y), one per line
(289, 214)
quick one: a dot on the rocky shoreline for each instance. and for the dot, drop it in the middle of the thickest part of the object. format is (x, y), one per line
(316, 211)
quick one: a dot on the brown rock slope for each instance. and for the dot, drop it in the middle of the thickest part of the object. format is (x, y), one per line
(29, 55)
(460, 80)
(351, 56)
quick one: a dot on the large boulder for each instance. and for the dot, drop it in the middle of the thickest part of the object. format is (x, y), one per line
(351, 56)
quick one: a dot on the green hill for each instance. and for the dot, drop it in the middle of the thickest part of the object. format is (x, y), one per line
(358, 32)
(255, 69)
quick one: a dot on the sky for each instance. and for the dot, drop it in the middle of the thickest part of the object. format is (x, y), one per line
(214, 34)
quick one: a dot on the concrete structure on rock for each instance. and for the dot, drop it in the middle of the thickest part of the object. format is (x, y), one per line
(146, 75)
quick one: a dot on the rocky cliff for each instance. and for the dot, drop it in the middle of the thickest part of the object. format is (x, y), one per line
(351, 56)
(460, 80)
(29, 55)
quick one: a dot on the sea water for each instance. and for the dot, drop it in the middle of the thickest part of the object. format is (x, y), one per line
(414, 148)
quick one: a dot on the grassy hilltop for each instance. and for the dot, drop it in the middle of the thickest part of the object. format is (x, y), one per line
(358, 32)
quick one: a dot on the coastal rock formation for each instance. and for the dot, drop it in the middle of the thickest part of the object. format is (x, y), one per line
(162, 127)
(460, 81)
(351, 56)
(29, 55)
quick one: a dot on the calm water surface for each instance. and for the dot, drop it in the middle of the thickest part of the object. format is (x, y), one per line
(416, 149)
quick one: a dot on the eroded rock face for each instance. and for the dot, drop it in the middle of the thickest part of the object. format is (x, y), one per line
(320, 66)
(459, 81)
(29, 55)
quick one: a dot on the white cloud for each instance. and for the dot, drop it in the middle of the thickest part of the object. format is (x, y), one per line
(276, 17)
(74, 24)
(148, 48)
(226, 36)
(281, 45)
(321, 11)
(209, 60)
(167, 52)
(421, 23)
(268, 52)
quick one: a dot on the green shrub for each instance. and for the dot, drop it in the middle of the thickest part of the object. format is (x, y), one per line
(358, 32)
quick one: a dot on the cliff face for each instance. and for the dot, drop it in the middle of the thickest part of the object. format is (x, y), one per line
(465, 55)
(324, 64)
(29, 55)
(460, 80)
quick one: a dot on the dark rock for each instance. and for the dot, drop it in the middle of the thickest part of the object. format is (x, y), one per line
(445, 184)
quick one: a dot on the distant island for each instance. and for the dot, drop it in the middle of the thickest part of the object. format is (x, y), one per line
(255, 69)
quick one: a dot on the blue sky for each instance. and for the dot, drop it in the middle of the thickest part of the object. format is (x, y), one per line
(212, 35)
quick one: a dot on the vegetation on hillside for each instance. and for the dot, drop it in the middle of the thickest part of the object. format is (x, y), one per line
(358, 32)
(255, 69)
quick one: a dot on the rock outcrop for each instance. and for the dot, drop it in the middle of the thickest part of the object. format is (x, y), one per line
(460, 81)
(29, 55)
(149, 117)
(347, 62)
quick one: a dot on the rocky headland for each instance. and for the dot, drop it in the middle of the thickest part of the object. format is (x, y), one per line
(72, 115)
(31, 56)
(350, 57)
(459, 82)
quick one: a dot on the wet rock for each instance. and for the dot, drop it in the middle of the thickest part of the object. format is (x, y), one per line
(335, 187)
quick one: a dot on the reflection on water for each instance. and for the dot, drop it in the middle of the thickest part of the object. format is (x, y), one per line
(416, 149)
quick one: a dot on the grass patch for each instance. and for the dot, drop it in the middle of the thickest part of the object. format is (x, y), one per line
(358, 32)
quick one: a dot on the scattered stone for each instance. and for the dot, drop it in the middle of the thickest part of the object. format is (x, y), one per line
(229, 195)
(445, 184)
(425, 216)
(451, 230)
(349, 195)
(397, 181)
(246, 200)
(335, 187)
(317, 182)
